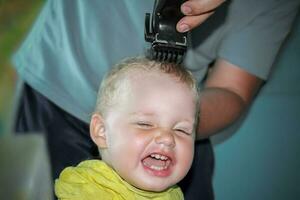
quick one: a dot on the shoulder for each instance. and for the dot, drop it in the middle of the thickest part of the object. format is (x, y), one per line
(80, 182)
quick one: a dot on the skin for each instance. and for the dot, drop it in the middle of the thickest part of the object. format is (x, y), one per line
(228, 86)
(148, 120)
(196, 11)
(228, 92)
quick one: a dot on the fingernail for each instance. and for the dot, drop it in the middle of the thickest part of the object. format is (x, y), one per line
(186, 10)
(183, 28)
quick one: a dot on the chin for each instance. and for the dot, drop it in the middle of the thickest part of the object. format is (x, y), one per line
(153, 188)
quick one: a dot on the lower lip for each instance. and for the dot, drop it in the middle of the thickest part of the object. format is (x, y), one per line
(158, 173)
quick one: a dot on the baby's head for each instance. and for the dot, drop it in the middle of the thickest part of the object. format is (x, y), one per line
(144, 122)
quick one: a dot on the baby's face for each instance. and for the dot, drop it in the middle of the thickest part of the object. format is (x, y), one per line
(150, 132)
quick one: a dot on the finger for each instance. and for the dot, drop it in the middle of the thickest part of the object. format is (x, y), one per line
(187, 23)
(197, 7)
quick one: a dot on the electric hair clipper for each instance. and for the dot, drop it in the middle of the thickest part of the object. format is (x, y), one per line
(167, 44)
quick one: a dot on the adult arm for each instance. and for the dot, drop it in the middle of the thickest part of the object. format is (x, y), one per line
(227, 93)
(230, 88)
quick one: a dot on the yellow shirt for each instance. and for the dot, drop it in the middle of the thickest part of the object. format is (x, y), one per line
(93, 180)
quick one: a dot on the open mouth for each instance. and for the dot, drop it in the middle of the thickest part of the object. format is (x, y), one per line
(157, 162)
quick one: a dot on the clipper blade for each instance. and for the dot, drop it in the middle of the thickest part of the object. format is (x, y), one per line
(165, 53)
(167, 44)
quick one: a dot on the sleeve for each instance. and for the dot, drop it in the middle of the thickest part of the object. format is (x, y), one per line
(254, 46)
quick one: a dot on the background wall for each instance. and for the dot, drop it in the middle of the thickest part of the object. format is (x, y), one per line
(260, 157)
(259, 160)
(16, 17)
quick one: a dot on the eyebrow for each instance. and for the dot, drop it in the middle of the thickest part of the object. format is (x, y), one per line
(149, 114)
(142, 113)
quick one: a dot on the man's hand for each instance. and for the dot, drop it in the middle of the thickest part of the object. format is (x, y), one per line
(196, 11)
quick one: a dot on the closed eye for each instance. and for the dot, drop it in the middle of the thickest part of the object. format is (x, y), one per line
(144, 125)
(183, 131)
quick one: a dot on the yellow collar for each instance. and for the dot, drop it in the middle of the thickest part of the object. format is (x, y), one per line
(93, 179)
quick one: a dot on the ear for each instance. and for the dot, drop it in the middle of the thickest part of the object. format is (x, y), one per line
(97, 131)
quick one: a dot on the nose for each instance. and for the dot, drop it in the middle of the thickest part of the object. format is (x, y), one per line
(165, 138)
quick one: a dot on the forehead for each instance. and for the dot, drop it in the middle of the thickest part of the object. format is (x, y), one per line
(145, 75)
(155, 84)
(145, 78)
(154, 92)
(140, 80)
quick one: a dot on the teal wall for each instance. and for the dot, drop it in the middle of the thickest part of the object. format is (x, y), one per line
(259, 157)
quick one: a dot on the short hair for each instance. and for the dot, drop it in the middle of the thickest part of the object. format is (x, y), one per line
(113, 82)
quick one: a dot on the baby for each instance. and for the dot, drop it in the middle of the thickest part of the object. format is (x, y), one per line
(144, 127)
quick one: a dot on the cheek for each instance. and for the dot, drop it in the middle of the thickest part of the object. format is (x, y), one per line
(137, 142)
(125, 149)
(129, 142)
(186, 152)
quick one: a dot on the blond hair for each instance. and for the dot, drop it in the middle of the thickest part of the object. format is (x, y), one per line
(112, 84)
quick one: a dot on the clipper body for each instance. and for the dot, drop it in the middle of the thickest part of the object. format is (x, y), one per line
(167, 44)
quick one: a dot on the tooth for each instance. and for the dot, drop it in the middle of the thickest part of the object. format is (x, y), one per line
(163, 157)
(165, 56)
(158, 156)
(158, 55)
(174, 56)
(156, 167)
(154, 54)
(179, 59)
